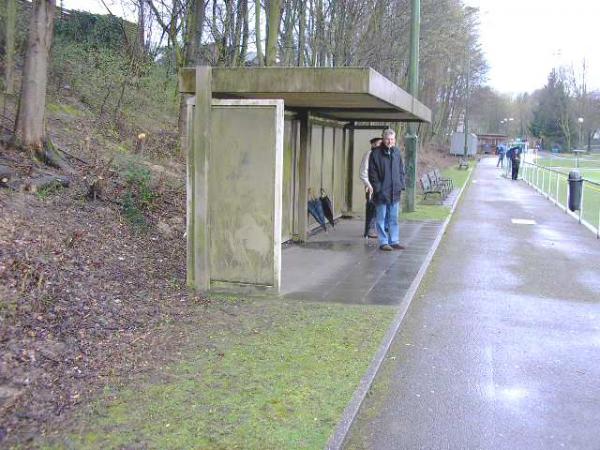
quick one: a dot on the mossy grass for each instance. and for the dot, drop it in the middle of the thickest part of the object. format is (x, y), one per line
(590, 170)
(279, 377)
(63, 108)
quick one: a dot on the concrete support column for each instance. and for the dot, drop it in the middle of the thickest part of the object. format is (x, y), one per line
(303, 176)
(198, 158)
(350, 168)
(412, 144)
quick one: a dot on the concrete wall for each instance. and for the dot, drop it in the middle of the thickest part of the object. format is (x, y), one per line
(245, 193)
(339, 173)
(290, 146)
(327, 167)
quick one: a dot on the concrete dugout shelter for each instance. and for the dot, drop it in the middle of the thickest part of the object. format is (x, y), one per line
(259, 140)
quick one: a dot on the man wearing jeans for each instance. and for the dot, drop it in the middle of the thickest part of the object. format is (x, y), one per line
(386, 175)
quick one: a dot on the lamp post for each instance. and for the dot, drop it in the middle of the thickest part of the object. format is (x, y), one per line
(579, 142)
(506, 122)
(466, 123)
(412, 139)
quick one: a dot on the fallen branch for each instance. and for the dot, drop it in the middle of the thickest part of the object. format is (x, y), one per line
(50, 156)
(72, 156)
(45, 182)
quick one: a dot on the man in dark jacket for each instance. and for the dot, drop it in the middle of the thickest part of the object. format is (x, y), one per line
(515, 159)
(386, 175)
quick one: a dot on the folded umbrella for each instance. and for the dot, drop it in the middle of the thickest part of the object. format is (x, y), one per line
(316, 210)
(327, 207)
(370, 214)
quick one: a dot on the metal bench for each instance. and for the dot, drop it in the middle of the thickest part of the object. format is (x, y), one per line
(440, 179)
(463, 163)
(428, 188)
(437, 185)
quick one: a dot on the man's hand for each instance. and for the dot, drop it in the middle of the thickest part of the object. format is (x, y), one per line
(369, 190)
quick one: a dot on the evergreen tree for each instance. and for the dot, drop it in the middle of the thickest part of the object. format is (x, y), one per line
(552, 119)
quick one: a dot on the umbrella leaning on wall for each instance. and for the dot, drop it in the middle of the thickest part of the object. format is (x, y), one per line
(327, 207)
(315, 208)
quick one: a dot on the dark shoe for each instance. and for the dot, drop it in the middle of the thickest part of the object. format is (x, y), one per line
(398, 247)
(385, 248)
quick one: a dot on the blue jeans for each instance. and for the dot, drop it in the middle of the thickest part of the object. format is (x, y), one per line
(387, 219)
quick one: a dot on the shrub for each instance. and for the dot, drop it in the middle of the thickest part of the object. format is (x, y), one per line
(138, 197)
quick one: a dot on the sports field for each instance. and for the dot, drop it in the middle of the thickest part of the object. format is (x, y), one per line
(555, 183)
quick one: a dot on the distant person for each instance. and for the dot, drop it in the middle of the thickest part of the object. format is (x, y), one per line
(386, 176)
(500, 149)
(364, 177)
(515, 160)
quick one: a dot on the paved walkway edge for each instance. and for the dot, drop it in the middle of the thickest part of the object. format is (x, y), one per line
(343, 427)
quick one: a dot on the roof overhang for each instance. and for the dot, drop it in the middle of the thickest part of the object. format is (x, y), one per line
(346, 94)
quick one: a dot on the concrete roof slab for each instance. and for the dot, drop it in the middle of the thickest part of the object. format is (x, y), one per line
(348, 93)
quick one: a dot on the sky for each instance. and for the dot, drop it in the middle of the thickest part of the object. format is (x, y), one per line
(522, 39)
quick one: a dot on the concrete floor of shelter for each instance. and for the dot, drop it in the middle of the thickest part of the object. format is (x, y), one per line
(500, 348)
(341, 266)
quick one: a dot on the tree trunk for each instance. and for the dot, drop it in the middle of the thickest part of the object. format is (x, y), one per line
(9, 45)
(245, 32)
(226, 57)
(192, 58)
(141, 28)
(301, 33)
(273, 21)
(237, 34)
(287, 49)
(320, 30)
(259, 55)
(30, 127)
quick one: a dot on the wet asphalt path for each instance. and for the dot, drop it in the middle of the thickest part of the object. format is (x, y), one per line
(501, 347)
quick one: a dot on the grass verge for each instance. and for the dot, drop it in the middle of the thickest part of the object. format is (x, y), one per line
(425, 211)
(278, 375)
(555, 185)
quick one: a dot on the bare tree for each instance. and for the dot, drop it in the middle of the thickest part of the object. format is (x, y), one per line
(9, 45)
(257, 33)
(301, 32)
(30, 125)
(273, 22)
(141, 27)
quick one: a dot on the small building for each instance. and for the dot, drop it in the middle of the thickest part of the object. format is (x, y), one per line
(457, 145)
(487, 142)
(260, 143)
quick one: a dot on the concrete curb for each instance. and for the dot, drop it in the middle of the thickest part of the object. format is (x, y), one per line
(340, 433)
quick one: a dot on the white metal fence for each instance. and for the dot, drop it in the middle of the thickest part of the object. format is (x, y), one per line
(554, 185)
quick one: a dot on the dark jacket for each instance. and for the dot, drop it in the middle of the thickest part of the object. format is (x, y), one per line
(386, 174)
(514, 154)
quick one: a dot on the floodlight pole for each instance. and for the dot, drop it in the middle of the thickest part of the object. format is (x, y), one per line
(466, 127)
(412, 139)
